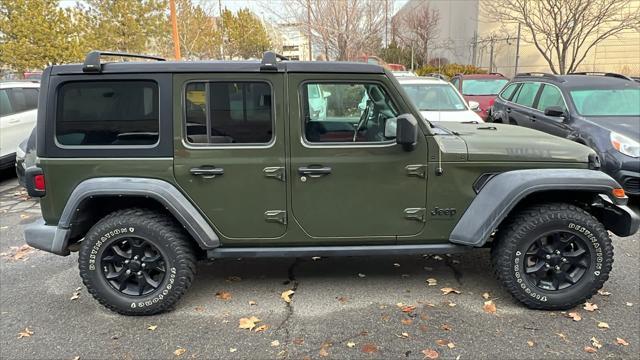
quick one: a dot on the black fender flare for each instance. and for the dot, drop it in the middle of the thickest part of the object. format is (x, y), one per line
(162, 191)
(504, 191)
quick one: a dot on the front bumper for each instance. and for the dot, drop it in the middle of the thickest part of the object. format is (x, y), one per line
(49, 238)
(630, 181)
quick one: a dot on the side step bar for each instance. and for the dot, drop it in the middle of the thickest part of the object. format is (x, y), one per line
(369, 250)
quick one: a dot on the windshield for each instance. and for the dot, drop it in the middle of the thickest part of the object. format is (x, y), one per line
(435, 97)
(483, 86)
(607, 102)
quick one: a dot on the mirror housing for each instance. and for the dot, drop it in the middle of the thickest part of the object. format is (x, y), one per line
(407, 131)
(555, 111)
(474, 105)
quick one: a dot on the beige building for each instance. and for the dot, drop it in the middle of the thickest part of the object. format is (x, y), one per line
(468, 36)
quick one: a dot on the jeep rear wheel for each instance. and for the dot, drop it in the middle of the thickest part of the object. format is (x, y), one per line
(136, 262)
(552, 256)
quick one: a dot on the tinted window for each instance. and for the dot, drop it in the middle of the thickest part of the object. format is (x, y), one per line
(550, 96)
(508, 91)
(5, 104)
(108, 113)
(483, 86)
(228, 112)
(527, 94)
(23, 99)
(346, 112)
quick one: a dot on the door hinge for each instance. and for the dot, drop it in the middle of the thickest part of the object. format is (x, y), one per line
(276, 216)
(416, 170)
(418, 214)
(274, 172)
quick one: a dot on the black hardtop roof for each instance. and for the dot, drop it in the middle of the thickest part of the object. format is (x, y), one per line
(221, 66)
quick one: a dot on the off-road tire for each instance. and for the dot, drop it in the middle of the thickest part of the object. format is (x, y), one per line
(157, 229)
(521, 229)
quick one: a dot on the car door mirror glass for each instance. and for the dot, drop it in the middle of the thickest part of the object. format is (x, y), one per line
(407, 131)
(474, 105)
(326, 94)
(390, 128)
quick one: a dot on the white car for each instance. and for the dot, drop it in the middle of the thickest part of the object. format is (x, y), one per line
(18, 109)
(438, 100)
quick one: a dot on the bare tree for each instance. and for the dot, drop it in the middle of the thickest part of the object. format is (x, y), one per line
(419, 29)
(565, 31)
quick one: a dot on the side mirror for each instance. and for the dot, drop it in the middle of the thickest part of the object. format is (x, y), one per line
(391, 128)
(474, 105)
(326, 94)
(555, 111)
(407, 131)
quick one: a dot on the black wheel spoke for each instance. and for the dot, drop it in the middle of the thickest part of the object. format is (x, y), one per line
(535, 268)
(117, 251)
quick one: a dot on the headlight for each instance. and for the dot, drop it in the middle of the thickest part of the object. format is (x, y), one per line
(625, 145)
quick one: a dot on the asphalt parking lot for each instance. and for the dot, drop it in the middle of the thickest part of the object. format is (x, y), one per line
(341, 308)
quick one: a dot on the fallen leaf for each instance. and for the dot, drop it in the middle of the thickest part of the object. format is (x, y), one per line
(199, 308)
(575, 316)
(261, 328)
(342, 299)
(603, 293)
(621, 341)
(75, 296)
(298, 341)
(19, 253)
(408, 308)
(76, 358)
(223, 295)
(432, 282)
(232, 350)
(531, 343)
(152, 327)
(589, 349)
(248, 323)
(628, 304)
(448, 290)
(323, 352)
(442, 342)
(590, 306)
(252, 303)
(485, 296)
(451, 345)
(489, 307)
(562, 336)
(275, 343)
(595, 343)
(403, 335)
(286, 296)
(430, 354)
(25, 333)
(603, 325)
(445, 327)
(351, 344)
(369, 348)
(361, 275)
(424, 328)
(179, 351)
(407, 321)
(451, 304)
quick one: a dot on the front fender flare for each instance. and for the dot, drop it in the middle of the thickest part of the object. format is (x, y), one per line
(504, 191)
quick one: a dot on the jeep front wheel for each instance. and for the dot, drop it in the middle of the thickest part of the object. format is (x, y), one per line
(136, 262)
(552, 256)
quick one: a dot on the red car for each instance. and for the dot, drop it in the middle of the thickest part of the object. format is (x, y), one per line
(482, 88)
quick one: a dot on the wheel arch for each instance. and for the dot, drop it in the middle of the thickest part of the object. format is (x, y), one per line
(94, 198)
(507, 192)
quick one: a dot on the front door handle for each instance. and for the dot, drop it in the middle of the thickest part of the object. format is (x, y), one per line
(508, 110)
(207, 172)
(315, 171)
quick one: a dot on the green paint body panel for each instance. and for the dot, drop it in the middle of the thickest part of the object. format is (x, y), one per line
(362, 201)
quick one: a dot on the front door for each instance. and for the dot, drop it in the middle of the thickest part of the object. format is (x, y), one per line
(350, 180)
(230, 154)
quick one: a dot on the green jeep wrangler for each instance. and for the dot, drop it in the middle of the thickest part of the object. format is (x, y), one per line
(146, 167)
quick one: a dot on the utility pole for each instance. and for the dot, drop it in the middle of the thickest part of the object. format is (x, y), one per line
(515, 71)
(309, 29)
(386, 23)
(174, 26)
(492, 43)
(221, 29)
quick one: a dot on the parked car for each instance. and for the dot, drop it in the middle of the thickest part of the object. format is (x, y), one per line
(481, 88)
(438, 100)
(600, 111)
(25, 156)
(160, 184)
(18, 108)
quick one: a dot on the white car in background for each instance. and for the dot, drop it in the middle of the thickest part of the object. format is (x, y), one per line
(438, 100)
(18, 109)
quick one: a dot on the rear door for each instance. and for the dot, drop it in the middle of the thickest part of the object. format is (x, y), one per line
(521, 108)
(17, 116)
(349, 181)
(230, 151)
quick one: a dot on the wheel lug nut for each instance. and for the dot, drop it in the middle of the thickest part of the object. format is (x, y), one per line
(547, 256)
(564, 260)
(547, 265)
(144, 265)
(128, 272)
(557, 252)
(135, 257)
(139, 273)
(126, 261)
(557, 267)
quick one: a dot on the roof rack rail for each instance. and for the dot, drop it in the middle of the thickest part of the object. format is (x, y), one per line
(270, 61)
(92, 60)
(540, 74)
(598, 73)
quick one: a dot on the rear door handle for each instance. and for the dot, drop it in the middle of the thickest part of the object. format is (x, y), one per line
(207, 172)
(315, 171)
(508, 110)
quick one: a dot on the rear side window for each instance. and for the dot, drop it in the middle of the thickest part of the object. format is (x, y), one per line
(508, 91)
(108, 113)
(5, 104)
(527, 94)
(16, 100)
(228, 113)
